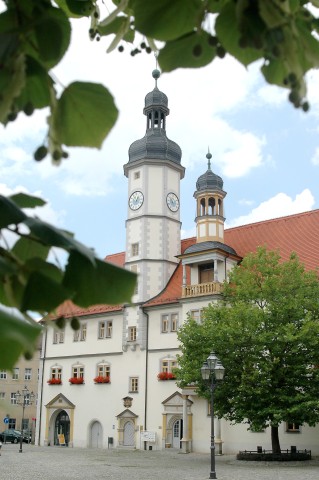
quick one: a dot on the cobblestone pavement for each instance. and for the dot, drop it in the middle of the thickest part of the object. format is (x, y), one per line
(60, 463)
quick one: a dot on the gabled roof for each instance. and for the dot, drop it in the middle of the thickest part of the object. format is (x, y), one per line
(297, 233)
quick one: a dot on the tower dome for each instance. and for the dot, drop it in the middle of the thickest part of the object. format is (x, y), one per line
(155, 145)
(209, 180)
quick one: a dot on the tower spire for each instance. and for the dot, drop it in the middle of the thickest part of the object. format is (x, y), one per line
(208, 156)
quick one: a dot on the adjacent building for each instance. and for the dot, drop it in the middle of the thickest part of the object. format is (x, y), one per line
(111, 383)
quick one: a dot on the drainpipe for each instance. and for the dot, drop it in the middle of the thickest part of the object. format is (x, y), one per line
(40, 390)
(146, 374)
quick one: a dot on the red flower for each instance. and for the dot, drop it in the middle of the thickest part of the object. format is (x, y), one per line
(100, 379)
(76, 380)
(54, 381)
(166, 376)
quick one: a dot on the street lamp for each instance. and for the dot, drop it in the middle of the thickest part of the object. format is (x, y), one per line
(212, 369)
(24, 399)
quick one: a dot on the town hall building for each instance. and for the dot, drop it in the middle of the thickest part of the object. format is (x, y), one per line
(111, 384)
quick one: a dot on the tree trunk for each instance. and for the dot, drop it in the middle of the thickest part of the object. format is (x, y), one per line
(275, 440)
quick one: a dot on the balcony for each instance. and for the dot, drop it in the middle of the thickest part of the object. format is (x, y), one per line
(209, 288)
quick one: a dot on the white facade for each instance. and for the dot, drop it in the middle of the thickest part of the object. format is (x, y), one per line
(132, 345)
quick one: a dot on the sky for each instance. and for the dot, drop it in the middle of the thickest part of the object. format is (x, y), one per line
(266, 151)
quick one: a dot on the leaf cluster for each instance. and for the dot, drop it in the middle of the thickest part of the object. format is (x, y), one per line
(32, 281)
(266, 334)
(34, 36)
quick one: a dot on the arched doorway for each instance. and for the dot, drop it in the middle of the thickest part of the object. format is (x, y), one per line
(62, 426)
(177, 433)
(128, 437)
(96, 440)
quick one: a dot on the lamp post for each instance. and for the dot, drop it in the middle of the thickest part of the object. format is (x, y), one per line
(212, 369)
(24, 399)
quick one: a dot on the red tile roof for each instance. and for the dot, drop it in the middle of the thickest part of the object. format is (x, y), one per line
(296, 233)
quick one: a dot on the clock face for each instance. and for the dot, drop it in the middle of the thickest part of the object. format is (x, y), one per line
(172, 202)
(136, 200)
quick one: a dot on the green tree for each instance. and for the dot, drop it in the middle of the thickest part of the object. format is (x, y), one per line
(34, 36)
(266, 334)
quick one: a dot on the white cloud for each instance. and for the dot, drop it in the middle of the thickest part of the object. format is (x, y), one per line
(315, 158)
(273, 95)
(246, 202)
(278, 206)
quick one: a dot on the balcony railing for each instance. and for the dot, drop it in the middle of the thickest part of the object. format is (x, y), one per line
(209, 288)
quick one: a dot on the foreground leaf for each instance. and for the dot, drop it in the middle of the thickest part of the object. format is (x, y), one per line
(85, 114)
(104, 283)
(17, 337)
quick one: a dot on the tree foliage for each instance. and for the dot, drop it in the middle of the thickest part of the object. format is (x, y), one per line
(266, 334)
(32, 278)
(35, 34)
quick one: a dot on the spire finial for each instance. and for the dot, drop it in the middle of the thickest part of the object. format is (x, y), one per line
(156, 73)
(208, 156)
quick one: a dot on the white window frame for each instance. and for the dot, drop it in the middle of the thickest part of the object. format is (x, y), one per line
(27, 373)
(196, 314)
(105, 329)
(58, 336)
(56, 372)
(83, 332)
(168, 364)
(133, 384)
(13, 398)
(15, 373)
(132, 334)
(3, 374)
(2, 395)
(78, 371)
(169, 322)
(104, 370)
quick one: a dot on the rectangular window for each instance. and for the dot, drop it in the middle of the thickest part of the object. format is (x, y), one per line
(76, 335)
(133, 384)
(105, 329)
(27, 373)
(137, 175)
(165, 321)
(13, 398)
(3, 374)
(12, 423)
(293, 427)
(196, 315)
(169, 322)
(168, 365)
(134, 249)
(56, 372)
(83, 332)
(104, 370)
(15, 374)
(132, 334)
(58, 336)
(174, 322)
(78, 372)
(2, 395)
(101, 333)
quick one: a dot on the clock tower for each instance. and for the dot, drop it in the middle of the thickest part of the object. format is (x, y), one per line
(153, 224)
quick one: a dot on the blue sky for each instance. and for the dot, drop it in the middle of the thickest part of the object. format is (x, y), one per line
(266, 151)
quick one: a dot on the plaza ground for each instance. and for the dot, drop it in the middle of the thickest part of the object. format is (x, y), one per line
(51, 463)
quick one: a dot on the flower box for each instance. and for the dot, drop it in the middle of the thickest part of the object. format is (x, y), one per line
(54, 381)
(101, 379)
(166, 376)
(76, 380)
